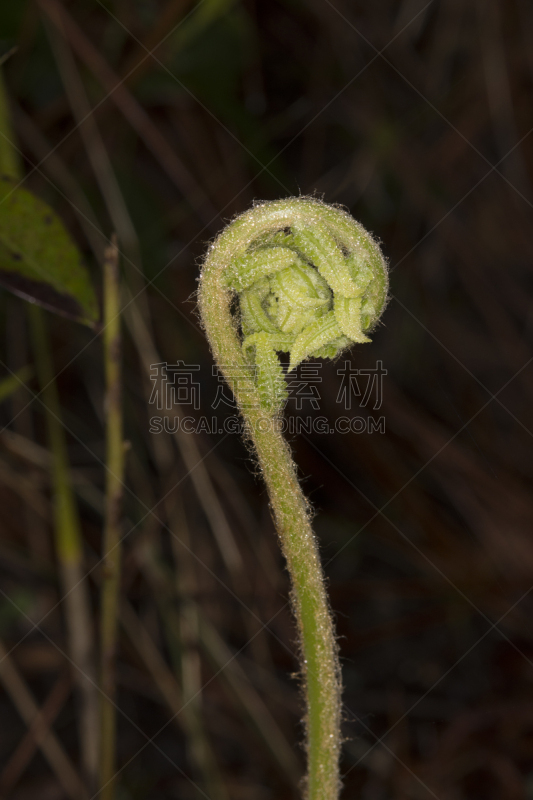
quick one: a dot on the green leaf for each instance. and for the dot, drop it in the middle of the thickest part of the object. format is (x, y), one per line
(38, 259)
(348, 314)
(321, 332)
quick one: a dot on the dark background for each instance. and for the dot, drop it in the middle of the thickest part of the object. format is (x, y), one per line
(417, 118)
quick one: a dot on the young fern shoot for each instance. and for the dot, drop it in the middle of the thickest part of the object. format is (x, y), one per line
(308, 281)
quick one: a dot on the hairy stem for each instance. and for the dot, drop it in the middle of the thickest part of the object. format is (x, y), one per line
(320, 665)
(319, 661)
(309, 281)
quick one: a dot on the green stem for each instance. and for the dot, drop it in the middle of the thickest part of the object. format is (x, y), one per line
(310, 281)
(319, 661)
(112, 535)
(320, 665)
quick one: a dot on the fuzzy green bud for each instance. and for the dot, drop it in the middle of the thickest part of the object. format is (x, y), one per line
(310, 282)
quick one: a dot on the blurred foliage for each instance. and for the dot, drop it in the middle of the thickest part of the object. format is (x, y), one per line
(38, 259)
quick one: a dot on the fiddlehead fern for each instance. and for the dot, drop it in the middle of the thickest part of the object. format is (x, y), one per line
(301, 277)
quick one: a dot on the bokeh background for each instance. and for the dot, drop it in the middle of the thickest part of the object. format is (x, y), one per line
(159, 120)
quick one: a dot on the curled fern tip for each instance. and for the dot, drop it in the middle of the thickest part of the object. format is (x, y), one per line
(310, 282)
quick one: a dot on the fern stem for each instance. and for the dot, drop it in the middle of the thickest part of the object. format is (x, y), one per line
(310, 281)
(319, 661)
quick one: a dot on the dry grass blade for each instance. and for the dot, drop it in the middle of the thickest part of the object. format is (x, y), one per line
(189, 450)
(39, 728)
(254, 707)
(112, 537)
(69, 548)
(133, 112)
(138, 64)
(48, 742)
(184, 711)
(94, 145)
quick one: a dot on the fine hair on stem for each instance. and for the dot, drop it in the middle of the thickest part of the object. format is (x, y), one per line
(309, 281)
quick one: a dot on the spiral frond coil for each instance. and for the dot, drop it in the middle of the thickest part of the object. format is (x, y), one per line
(310, 282)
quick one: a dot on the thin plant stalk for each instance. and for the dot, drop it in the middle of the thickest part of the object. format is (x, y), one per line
(309, 281)
(112, 548)
(186, 636)
(10, 163)
(319, 659)
(67, 527)
(69, 549)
